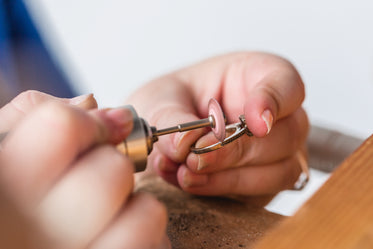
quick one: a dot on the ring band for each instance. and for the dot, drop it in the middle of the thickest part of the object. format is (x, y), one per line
(304, 176)
(238, 130)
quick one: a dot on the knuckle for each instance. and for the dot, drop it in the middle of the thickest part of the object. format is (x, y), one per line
(275, 95)
(28, 95)
(61, 116)
(293, 76)
(284, 67)
(64, 121)
(297, 127)
(26, 99)
(300, 127)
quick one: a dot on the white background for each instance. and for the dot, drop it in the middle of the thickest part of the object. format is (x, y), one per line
(111, 47)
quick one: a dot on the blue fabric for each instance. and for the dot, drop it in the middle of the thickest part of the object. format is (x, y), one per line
(24, 58)
(6, 61)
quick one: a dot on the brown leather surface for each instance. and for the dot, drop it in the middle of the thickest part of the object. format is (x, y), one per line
(206, 222)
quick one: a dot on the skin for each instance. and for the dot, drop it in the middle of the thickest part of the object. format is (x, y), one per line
(266, 88)
(64, 179)
(68, 187)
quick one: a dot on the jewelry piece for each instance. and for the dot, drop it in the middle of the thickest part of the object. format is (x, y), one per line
(304, 176)
(216, 121)
(236, 130)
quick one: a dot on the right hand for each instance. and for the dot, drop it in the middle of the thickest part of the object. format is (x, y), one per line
(264, 87)
(61, 170)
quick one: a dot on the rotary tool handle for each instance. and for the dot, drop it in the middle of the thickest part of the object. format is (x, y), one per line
(139, 143)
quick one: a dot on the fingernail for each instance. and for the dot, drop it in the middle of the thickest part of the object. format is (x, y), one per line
(122, 119)
(80, 99)
(201, 164)
(179, 137)
(268, 119)
(120, 116)
(195, 162)
(193, 180)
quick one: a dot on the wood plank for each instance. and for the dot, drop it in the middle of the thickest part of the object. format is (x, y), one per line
(339, 215)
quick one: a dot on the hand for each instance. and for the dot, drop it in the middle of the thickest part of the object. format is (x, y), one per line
(265, 88)
(60, 168)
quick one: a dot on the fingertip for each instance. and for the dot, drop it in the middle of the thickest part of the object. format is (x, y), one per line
(259, 117)
(190, 181)
(86, 101)
(118, 121)
(166, 169)
(180, 176)
(192, 162)
(197, 163)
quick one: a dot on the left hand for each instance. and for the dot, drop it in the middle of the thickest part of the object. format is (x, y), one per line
(61, 171)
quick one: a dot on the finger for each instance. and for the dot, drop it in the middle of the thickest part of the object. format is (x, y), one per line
(29, 100)
(177, 145)
(169, 111)
(47, 142)
(173, 105)
(265, 87)
(274, 97)
(163, 166)
(230, 79)
(85, 200)
(251, 180)
(286, 138)
(141, 224)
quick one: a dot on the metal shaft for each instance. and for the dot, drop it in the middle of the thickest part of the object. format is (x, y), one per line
(207, 122)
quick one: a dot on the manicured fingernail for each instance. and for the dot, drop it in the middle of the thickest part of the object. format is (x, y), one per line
(179, 137)
(80, 99)
(201, 164)
(268, 119)
(194, 180)
(195, 162)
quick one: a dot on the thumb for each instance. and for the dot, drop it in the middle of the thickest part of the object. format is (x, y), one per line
(274, 97)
